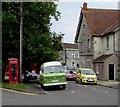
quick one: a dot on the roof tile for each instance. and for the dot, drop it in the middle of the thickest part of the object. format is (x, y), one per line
(99, 20)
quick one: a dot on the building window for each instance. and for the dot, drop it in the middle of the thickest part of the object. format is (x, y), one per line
(88, 43)
(73, 64)
(77, 55)
(83, 26)
(77, 65)
(81, 45)
(107, 43)
(73, 55)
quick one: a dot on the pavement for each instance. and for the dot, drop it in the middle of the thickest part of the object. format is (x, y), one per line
(111, 84)
(31, 87)
(34, 88)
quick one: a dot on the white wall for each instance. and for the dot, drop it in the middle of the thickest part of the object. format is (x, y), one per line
(117, 41)
(98, 46)
(110, 50)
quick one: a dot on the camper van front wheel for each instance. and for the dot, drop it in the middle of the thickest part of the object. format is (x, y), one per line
(43, 87)
(64, 86)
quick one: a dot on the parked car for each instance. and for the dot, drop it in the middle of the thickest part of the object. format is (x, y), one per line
(7, 73)
(52, 74)
(86, 75)
(70, 75)
(29, 76)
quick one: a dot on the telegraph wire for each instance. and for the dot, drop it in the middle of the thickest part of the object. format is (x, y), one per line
(65, 24)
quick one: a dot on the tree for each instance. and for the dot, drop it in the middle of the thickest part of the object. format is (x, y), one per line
(37, 36)
(37, 42)
(56, 41)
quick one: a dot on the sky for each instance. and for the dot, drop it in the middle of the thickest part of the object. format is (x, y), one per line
(70, 12)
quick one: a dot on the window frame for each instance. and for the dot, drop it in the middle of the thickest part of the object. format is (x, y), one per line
(89, 44)
(107, 42)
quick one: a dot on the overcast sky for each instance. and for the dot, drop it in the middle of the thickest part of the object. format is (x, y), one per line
(70, 12)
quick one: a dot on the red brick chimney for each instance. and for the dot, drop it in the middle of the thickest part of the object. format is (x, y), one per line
(85, 6)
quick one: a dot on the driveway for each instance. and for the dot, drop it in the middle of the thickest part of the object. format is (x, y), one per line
(33, 87)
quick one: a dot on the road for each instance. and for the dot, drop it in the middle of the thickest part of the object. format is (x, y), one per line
(75, 94)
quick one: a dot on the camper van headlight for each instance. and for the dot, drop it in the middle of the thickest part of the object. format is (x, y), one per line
(63, 77)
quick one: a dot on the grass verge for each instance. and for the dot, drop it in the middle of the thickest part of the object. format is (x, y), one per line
(20, 86)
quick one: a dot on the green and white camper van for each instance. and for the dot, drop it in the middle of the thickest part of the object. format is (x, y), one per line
(52, 74)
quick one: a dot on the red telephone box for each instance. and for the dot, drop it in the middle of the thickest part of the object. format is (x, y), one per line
(13, 71)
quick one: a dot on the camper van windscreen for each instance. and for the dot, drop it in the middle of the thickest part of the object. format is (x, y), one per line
(54, 69)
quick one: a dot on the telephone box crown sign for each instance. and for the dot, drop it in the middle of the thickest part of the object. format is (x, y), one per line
(13, 59)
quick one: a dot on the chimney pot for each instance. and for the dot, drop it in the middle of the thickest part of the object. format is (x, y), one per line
(85, 6)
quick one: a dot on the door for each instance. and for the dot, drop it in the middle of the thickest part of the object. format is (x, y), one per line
(111, 71)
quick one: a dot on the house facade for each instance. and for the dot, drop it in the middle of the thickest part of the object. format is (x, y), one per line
(85, 45)
(98, 39)
(70, 56)
(108, 63)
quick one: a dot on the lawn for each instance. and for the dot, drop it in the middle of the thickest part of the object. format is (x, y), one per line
(13, 86)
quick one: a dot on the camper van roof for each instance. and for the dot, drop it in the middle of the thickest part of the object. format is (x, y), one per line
(52, 63)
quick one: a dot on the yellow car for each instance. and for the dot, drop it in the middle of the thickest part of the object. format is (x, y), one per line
(86, 75)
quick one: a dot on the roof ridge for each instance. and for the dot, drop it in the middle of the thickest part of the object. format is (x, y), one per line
(102, 9)
(69, 45)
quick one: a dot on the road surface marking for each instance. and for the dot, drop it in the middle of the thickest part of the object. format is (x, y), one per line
(18, 91)
(106, 92)
(45, 92)
(73, 91)
(94, 88)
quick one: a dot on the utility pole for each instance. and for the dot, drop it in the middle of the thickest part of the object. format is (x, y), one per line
(21, 37)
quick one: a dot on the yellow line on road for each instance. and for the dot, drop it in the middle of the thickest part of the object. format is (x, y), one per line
(17, 91)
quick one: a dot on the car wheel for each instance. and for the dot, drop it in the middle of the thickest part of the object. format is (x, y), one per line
(42, 86)
(64, 86)
(76, 81)
(80, 81)
(95, 83)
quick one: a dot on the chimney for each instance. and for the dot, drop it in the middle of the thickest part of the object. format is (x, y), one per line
(85, 6)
